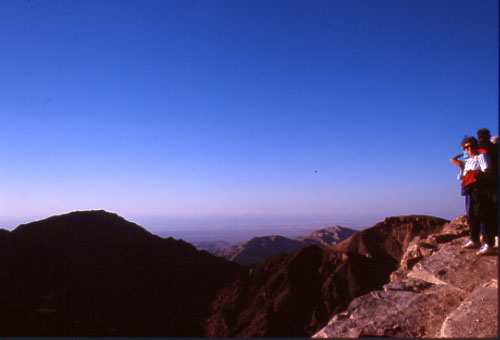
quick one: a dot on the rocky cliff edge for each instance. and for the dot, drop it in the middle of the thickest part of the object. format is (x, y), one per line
(439, 290)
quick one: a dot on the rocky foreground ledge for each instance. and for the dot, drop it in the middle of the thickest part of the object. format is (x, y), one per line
(440, 290)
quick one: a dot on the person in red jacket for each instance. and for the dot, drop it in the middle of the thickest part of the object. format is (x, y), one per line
(474, 174)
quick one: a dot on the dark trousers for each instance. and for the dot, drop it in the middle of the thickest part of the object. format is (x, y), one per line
(480, 208)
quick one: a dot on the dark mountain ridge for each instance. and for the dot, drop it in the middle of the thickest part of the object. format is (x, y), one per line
(93, 273)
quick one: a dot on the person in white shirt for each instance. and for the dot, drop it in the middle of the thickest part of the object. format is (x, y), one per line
(478, 204)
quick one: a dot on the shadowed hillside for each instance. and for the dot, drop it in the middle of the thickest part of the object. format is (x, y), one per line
(94, 273)
(295, 295)
(260, 248)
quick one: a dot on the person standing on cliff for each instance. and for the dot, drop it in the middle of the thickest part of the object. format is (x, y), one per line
(484, 138)
(486, 145)
(474, 173)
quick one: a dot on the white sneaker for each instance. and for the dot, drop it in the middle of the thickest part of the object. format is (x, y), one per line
(471, 245)
(486, 250)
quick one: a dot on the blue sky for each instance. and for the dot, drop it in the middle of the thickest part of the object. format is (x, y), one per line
(345, 109)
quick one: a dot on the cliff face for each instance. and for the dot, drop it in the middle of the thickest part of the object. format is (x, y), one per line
(94, 273)
(294, 295)
(439, 290)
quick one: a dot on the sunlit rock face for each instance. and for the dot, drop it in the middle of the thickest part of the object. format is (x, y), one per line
(439, 290)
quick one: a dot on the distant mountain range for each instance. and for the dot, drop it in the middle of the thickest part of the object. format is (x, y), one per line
(93, 273)
(258, 249)
(293, 295)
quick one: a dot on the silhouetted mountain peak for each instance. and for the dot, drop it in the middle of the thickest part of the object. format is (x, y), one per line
(99, 274)
(84, 222)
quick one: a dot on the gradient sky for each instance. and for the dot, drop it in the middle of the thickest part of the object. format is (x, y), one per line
(241, 108)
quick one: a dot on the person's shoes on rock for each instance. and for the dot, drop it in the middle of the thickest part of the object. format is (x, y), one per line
(486, 250)
(471, 245)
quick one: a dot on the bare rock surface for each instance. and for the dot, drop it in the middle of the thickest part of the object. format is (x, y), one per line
(439, 290)
(295, 295)
(475, 317)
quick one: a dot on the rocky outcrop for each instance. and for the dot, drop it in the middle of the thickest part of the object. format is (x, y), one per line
(439, 290)
(388, 240)
(295, 295)
(95, 274)
(477, 315)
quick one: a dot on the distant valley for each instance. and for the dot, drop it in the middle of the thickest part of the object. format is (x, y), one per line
(258, 249)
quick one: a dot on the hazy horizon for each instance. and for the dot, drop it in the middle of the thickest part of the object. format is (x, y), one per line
(346, 108)
(222, 228)
(235, 228)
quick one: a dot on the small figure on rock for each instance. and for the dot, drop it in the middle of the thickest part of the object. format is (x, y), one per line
(474, 174)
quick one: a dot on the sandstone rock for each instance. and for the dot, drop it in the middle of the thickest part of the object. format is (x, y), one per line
(457, 267)
(385, 242)
(476, 317)
(445, 292)
(393, 314)
(413, 285)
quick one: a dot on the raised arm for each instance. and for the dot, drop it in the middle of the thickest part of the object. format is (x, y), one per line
(455, 161)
